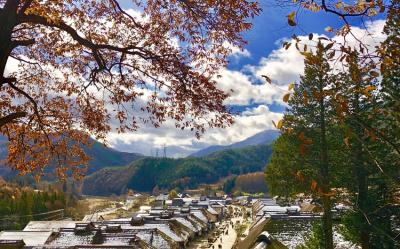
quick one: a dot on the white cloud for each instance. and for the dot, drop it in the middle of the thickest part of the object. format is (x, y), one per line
(371, 35)
(283, 66)
(180, 143)
(243, 90)
(247, 124)
(11, 66)
(235, 52)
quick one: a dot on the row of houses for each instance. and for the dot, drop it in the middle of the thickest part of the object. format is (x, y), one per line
(268, 207)
(160, 227)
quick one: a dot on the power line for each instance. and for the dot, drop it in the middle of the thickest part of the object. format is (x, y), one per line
(30, 215)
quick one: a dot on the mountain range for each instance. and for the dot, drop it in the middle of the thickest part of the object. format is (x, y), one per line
(166, 173)
(206, 166)
(263, 137)
(113, 172)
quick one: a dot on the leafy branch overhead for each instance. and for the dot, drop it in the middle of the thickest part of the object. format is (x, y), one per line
(75, 66)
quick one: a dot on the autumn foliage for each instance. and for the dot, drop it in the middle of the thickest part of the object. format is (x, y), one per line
(70, 69)
(251, 183)
(340, 132)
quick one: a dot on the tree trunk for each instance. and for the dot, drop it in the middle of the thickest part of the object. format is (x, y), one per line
(8, 20)
(324, 170)
(361, 174)
(327, 222)
(362, 199)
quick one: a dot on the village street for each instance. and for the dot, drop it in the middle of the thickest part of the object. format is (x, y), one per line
(227, 239)
(227, 234)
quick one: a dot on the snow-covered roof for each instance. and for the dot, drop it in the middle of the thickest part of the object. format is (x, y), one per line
(278, 209)
(30, 238)
(65, 238)
(199, 215)
(54, 226)
(187, 224)
(164, 228)
(153, 239)
(212, 211)
(155, 230)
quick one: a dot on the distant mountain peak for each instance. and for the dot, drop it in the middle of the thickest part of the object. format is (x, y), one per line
(263, 137)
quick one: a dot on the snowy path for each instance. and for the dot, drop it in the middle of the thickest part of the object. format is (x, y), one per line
(227, 240)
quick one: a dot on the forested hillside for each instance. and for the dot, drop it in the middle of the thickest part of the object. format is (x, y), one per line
(101, 156)
(19, 205)
(166, 173)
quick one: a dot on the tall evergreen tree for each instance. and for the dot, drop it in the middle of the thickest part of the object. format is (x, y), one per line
(309, 117)
(355, 99)
(390, 54)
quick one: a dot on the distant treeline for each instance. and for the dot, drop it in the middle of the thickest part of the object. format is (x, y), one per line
(19, 205)
(248, 183)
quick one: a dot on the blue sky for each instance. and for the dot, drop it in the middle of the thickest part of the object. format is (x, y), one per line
(255, 103)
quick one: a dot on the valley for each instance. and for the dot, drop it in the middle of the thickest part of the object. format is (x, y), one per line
(199, 124)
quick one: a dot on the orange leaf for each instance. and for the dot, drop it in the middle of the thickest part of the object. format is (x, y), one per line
(302, 150)
(346, 141)
(305, 98)
(280, 124)
(368, 89)
(290, 19)
(302, 136)
(313, 185)
(374, 73)
(286, 97)
(299, 176)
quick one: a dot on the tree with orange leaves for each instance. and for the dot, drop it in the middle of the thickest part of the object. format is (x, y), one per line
(309, 122)
(360, 151)
(69, 68)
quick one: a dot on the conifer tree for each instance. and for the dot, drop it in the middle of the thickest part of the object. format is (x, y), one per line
(309, 118)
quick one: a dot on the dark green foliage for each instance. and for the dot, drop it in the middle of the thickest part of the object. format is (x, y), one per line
(166, 173)
(354, 120)
(102, 156)
(391, 63)
(316, 238)
(378, 218)
(374, 150)
(229, 184)
(19, 205)
(285, 176)
(310, 128)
